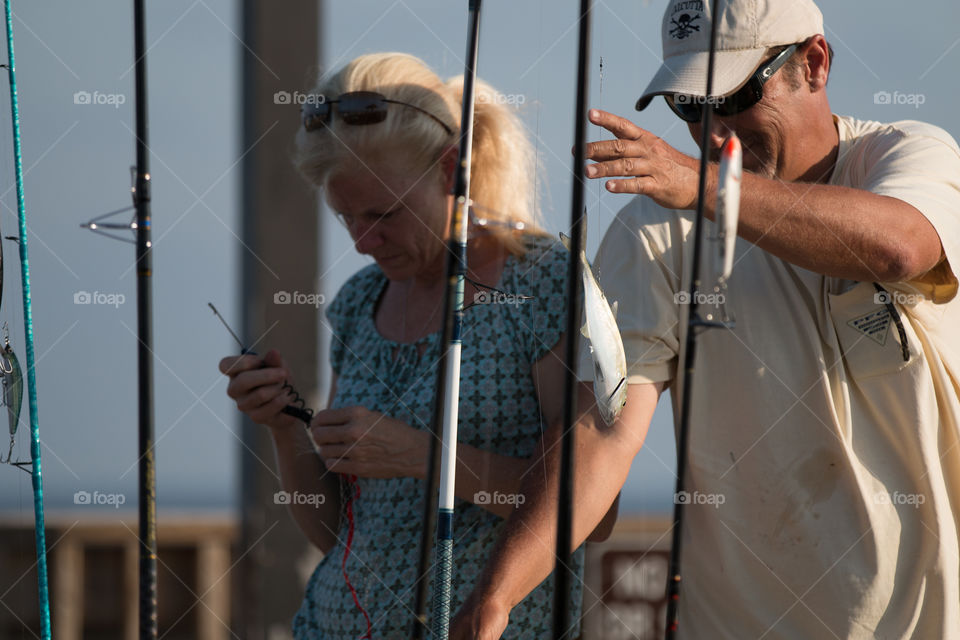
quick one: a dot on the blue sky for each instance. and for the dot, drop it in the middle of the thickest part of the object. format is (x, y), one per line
(77, 158)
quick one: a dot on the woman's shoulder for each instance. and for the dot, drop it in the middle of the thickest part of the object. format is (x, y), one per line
(545, 259)
(543, 250)
(359, 289)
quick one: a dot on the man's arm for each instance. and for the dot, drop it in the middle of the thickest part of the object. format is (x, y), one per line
(831, 230)
(524, 555)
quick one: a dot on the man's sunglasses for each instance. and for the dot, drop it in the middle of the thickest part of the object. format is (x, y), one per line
(690, 108)
(356, 107)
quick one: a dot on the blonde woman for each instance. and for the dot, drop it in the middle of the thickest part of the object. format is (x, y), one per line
(381, 144)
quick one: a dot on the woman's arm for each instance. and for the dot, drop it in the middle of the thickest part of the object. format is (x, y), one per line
(357, 441)
(256, 383)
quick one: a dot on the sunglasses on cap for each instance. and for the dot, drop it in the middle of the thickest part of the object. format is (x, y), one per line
(356, 107)
(690, 108)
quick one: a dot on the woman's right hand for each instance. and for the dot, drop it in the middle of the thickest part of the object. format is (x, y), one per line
(256, 383)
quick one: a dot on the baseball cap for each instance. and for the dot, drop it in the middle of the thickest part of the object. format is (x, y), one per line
(746, 30)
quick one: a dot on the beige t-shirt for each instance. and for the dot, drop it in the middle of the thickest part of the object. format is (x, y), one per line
(824, 470)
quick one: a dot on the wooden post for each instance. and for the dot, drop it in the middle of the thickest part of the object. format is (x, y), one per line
(68, 588)
(280, 56)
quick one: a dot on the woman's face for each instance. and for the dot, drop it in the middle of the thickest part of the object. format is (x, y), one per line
(398, 218)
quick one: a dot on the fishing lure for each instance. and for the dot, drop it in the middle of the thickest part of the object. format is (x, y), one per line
(727, 216)
(12, 393)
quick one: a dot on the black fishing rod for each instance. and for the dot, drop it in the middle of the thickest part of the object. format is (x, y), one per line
(147, 464)
(694, 324)
(564, 556)
(438, 507)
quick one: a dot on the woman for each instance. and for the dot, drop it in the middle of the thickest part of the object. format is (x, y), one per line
(386, 162)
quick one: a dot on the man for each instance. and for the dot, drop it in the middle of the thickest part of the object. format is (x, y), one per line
(828, 417)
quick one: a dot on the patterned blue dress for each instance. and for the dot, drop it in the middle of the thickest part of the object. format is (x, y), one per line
(499, 412)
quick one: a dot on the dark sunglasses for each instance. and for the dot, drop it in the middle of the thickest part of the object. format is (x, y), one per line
(690, 108)
(356, 107)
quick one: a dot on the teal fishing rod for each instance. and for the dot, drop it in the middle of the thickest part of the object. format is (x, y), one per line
(36, 473)
(438, 510)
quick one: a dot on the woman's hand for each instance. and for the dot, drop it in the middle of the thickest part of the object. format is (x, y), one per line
(256, 383)
(369, 444)
(480, 620)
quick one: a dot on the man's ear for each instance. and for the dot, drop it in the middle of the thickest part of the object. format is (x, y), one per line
(448, 165)
(816, 58)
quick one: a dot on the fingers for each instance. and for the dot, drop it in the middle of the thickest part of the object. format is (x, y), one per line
(233, 365)
(331, 417)
(631, 167)
(268, 411)
(274, 359)
(618, 126)
(643, 185)
(324, 435)
(242, 384)
(614, 149)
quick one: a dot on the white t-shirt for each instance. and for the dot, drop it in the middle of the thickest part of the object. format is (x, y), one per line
(823, 469)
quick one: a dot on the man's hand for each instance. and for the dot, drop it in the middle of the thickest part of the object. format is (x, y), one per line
(644, 163)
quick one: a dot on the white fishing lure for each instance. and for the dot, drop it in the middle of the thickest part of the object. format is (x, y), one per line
(606, 347)
(728, 205)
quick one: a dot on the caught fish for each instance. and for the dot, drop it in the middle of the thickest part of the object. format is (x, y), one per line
(728, 204)
(606, 347)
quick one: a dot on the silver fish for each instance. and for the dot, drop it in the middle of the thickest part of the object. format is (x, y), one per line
(606, 347)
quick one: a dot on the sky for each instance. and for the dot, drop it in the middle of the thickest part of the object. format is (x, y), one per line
(74, 71)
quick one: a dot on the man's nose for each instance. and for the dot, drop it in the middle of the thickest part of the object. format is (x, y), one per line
(719, 132)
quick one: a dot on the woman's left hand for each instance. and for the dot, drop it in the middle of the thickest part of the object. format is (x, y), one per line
(369, 444)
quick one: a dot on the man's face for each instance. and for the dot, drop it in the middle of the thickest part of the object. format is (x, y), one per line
(768, 130)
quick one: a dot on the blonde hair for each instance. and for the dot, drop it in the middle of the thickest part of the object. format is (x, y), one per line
(502, 183)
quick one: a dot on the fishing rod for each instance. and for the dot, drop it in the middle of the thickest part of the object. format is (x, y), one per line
(694, 323)
(561, 572)
(36, 472)
(147, 464)
(446, 404)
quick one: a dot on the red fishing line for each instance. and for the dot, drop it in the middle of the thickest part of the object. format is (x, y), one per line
(352, 480)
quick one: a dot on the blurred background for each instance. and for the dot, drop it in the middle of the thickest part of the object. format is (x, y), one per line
(221, 136)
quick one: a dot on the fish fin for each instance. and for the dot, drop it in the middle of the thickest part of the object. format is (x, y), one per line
(613, 308)
(585, 332)
(565, 239)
